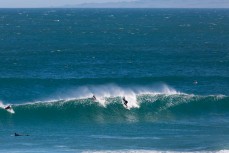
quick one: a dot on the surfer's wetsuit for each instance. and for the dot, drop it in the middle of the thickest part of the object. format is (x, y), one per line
(125, 101)
(16, 134)
(8, 107)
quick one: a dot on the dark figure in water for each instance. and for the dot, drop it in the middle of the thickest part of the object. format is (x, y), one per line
(93, 97)
(125, 101)
(8, 107)
(16, 134)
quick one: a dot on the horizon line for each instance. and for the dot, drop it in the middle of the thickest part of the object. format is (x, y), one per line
(114, 7)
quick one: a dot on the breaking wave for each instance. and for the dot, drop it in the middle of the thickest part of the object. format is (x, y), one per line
(141, 108)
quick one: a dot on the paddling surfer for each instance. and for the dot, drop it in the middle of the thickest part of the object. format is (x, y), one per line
(16, 134)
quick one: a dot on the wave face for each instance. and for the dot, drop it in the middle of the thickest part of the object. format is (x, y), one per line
(142, 108)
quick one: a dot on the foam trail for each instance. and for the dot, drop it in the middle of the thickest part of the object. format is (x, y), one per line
(2, 105)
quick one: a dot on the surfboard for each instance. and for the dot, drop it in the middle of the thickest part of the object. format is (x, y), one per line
(126, 107)
(10, 110)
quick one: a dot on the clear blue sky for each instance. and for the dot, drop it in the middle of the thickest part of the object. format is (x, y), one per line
(131, 3)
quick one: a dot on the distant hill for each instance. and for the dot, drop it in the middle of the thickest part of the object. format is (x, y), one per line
(157, 4)
(135, 4)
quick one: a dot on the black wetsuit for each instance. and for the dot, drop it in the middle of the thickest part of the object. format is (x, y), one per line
(8, 107)
(125, 101)
(16, 135)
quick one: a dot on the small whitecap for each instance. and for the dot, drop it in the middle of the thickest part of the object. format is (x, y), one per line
(184, 25)
(111, 15)
(213, 24)
(61, 146)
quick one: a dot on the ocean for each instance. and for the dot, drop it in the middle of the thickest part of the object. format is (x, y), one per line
(171, 65)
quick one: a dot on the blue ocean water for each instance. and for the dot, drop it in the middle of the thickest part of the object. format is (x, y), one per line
(172, 65)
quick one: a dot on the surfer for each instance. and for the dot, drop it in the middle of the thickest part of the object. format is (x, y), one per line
(8, 107)
(125, 101)
(93, 97)
(16, 134)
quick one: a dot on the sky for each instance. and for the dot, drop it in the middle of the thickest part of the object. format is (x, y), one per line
(115, 3)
